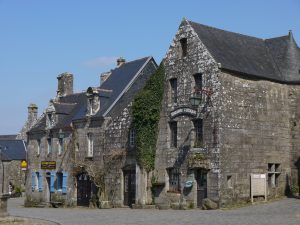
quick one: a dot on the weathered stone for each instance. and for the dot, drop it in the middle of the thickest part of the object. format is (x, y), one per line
(209, 204)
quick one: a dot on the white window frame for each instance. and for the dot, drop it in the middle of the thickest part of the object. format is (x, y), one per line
(90, 139)
(60, 146)
(49, 145)
(38, 149)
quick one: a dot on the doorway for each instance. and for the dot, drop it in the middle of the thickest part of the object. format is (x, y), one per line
(201, 179)
(129, 187)
(84, 185)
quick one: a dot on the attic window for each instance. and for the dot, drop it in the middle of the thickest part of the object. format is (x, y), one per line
(183, 43)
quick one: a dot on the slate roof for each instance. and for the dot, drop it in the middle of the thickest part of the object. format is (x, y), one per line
(117, 82)
(8, 137)
(274, 59)
(74, 107)
(12, 150)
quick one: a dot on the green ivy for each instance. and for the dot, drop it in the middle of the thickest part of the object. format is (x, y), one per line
(146, 113)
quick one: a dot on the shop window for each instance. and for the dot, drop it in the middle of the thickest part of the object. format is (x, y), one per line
(183, 44)
(273, 174)
(174, 180)
(59, 181)
(173, 130)
(173, 84)
(198, 126)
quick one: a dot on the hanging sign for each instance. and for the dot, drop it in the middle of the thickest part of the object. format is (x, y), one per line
(24, 165)
(183, 111)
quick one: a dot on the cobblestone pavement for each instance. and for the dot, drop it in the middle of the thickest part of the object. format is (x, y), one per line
(283, 212)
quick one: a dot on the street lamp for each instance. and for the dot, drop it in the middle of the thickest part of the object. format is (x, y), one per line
(195, 101)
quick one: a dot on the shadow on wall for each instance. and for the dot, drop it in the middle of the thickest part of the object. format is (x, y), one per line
(292, 190)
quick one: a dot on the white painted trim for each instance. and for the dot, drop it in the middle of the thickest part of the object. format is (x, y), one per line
(127, 87)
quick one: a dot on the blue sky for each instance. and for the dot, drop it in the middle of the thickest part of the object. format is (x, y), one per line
(41, 39)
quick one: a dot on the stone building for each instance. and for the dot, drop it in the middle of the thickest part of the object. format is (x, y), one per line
(230, 109)
(70, 143)
(12, 153)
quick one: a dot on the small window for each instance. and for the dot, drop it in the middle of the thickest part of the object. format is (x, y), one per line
(198, 83)
(77, 147)
(59, 181)
(183, 43)
(229, 181)
(90, 106)
(198, 125)
(49, 142)
(50, 120)
(174, 179)
(173, 84)
(38, 152)
(273, 174)
(132, 137)
(173, 129)
(90, 145)
(60, 146)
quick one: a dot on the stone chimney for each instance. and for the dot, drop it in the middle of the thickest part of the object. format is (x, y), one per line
(65, 84)
(120, 61)
(32, 114)
(104, 76)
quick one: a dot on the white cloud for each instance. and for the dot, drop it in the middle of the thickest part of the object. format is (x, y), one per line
(100, 61)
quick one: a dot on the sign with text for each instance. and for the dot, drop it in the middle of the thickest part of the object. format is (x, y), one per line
(258, 185)
(48, 165)
(183, 111)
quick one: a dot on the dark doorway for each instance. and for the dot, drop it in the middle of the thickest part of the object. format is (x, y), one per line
(129, 187)
(201, 178)
(84, 185)
(48, 179)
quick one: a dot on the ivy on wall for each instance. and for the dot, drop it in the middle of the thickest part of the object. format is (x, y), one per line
(146, 113)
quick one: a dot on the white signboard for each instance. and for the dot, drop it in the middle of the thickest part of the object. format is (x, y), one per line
(258, 185)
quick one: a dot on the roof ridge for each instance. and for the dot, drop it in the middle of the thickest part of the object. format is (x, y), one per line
(236, 33)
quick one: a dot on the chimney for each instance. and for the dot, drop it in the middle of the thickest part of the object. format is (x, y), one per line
(32, 114)
(104, 76)
(65, 84)
(120, 61)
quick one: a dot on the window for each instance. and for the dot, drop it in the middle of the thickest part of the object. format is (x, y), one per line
(60, 145)
(229, 181)
(273, 174)
(198, 125)
(77, 147)
(90, 145)
(132, 137)
(59, 181)
(173, 129)
(173, 84)
(49, 142)
(174, 182)
(90, 106)
(38, 146)
(183, 43)
(198, 83)
(50, 120)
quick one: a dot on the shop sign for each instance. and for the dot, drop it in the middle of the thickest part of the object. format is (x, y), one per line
(48, 165)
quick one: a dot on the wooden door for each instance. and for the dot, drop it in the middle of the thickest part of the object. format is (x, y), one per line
(201, 178)
(129, 187)
(83, 189)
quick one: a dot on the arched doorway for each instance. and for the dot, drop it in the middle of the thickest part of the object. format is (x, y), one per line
(84, 188)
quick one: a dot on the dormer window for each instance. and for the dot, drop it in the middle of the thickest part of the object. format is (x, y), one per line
(50, 115)
(198, 83)
(93, 101)
(183, 43)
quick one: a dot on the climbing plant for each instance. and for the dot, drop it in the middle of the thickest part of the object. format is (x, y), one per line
(146, 113)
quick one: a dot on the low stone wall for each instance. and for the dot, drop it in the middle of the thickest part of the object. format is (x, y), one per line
(10, 220)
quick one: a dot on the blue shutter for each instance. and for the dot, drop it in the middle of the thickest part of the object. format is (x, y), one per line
(32, 181)
(40, 177)
(52, 179)
(65, 182)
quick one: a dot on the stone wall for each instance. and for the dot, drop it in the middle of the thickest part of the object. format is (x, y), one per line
(198, 60)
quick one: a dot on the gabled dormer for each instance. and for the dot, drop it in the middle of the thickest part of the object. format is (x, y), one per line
(93, 101)
(50, 115)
